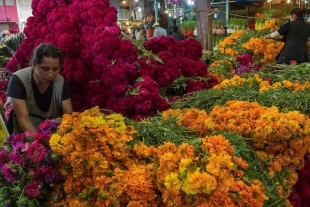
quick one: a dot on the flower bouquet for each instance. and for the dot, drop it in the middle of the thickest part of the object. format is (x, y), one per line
(26, 168)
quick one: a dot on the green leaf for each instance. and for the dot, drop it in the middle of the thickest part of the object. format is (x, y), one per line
(140, 79)
(135, 91)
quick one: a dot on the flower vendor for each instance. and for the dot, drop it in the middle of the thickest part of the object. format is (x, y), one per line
(296, 34)
(158, 30)
(38, 92)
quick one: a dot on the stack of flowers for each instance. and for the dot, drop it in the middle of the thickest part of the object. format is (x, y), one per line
(221, 69)
(101, 64)
(225, 45)
(264, 50)
(101, 167)
(263, 85)
(280, 139)
(27, 173)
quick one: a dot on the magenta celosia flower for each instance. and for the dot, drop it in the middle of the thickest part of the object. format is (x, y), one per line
(9, 173)
(35, 151)
(32, 189)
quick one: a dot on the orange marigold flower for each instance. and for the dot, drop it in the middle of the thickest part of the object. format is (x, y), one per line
(172, 197)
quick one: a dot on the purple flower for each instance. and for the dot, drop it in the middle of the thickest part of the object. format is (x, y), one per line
(3, 156)
(9, 139)
(18, 138)
(32, 189)
(35, 151)
(9, 173)
(48, 126)
(17, 158)
(46, 174)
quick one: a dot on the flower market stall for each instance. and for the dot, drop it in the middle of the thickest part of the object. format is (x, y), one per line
(160, 124)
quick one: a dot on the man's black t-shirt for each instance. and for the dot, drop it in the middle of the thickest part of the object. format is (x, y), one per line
(43, 101)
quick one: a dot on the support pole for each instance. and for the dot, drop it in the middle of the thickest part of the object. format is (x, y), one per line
(209, 31)
(227, 14)
(156, 10)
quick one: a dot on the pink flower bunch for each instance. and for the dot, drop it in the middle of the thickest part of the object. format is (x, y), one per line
(300, 197)
(26, 168)
(246, 64)
(144, 99)
(181, 58)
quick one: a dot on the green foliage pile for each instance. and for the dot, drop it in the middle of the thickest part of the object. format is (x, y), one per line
(294, 73)
(284, 99)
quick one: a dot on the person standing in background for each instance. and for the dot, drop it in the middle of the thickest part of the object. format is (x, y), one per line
(4, 35)
(176, 34)
(296, 34)
(141, 35)
(158, 30)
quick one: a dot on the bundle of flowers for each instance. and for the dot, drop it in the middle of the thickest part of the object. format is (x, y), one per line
(263, 85)
(221, 69)
(224, 69)
(27, 173)
(265, 50)
(251, 42)
(225, 46)
(101, 64)
(102, 167)
(246, 64)
(280, 139)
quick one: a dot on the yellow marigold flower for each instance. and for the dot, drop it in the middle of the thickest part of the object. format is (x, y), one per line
(55, 143)
(184, 164)
(267, 130)
(219, 165)
(172, 181)
(209, 123)
(199, 183)
(91, 122)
